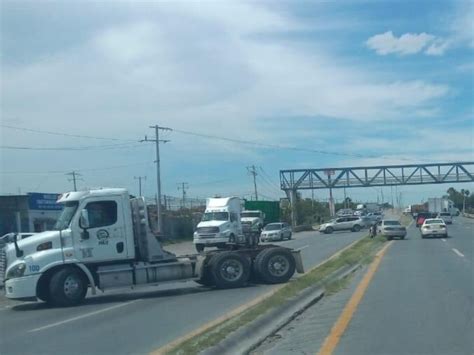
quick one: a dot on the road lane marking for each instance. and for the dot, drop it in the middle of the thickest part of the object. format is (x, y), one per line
(332, 340)
(458, 253)
(444, 240)
(205, 327)
(81, 316)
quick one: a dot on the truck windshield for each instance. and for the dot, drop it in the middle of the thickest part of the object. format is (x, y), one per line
(215, 216)
(250, 214)
(66, 215)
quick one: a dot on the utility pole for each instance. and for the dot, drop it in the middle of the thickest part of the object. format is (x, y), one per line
(253, 171)
(75, 176)
(139, 178)
(157, 141)
(183, 186)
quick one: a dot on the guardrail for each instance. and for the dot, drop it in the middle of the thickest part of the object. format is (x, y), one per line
(468, 215)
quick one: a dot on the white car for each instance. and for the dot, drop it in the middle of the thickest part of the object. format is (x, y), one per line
(391, 229)
(446, 217)
(275, 231)
(434, 227)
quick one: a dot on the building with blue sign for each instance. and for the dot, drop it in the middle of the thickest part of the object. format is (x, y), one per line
(33, 212)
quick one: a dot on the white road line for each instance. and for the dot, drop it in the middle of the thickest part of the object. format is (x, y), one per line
(81, 317)
(458, 252)
(444, 240)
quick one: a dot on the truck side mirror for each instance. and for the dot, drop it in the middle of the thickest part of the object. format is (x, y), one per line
(84, 219)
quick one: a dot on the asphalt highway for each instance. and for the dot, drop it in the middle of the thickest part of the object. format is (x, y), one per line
(420, 301)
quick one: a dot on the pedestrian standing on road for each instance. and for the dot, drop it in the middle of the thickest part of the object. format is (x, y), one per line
(373, 230)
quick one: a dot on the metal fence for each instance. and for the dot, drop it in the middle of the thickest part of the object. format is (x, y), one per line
(172, 203)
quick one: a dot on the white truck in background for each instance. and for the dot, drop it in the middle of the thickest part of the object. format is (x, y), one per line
(441, 204)
(252, 221)
(220, 224)
(102, 240)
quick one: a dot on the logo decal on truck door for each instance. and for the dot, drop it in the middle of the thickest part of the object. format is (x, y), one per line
(103, 236)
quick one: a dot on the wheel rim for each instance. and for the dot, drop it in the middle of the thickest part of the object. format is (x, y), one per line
(72, 286)
(231, 270)
(278, 265)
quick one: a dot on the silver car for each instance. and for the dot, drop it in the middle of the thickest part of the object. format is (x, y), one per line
(446, 217)
(352, 223)
(391, 229)
(276, 231)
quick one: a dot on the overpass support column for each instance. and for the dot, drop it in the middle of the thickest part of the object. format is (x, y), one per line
(292, 196)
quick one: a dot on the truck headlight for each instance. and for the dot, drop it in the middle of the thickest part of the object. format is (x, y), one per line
(16, 271)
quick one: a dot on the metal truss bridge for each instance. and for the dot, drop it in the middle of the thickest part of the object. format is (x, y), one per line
(371, 176)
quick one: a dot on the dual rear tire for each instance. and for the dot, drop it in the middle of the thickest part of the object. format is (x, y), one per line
(231, 269)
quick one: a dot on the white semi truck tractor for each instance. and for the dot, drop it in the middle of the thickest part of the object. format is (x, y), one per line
(102, 240)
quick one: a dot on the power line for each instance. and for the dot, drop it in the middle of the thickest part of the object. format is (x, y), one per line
(65, 171)
(266, 145)
(63, 134)
(101, 147)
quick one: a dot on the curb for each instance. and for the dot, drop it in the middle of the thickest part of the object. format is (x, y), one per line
(244, 340)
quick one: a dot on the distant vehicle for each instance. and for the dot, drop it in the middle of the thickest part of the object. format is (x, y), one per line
(375, 216)
(345, 212)
(446, 217)
(276, 231)
(252, 221)
(420, 217)
(442, 204)
(9, 237)
(391, 229)
(220, 223)
(353, 224)
(434, 227)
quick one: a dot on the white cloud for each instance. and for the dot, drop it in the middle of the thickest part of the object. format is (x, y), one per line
(408, 43)
(438, 47)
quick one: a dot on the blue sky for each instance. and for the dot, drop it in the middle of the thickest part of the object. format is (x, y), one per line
(389, 81)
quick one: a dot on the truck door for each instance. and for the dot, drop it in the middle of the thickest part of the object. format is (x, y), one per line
(104, 239)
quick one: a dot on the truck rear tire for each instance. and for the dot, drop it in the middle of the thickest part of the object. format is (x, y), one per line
(230, 269)
(67, 287)
(199, 248)
(274, 265)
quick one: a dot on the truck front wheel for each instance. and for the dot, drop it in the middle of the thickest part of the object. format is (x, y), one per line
(275, 265)
(67, 287)
(230, 269)
(199, 248)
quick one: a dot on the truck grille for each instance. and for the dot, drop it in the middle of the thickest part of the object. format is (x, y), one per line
(207, 230)
(3, 265)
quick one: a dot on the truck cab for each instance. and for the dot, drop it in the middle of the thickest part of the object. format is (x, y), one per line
(220, 224)
(252, 221)
(102, 240)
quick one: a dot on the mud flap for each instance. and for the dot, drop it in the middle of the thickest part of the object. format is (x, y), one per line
(298, 261)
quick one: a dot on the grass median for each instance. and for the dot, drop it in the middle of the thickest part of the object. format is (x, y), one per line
(361, 252)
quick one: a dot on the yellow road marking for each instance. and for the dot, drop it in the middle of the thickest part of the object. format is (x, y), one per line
(205, 327)
(332, 340)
